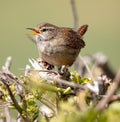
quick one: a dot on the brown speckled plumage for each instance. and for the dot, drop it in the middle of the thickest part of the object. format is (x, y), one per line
(57, 45)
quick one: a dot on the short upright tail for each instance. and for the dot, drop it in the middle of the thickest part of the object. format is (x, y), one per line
(82, 30)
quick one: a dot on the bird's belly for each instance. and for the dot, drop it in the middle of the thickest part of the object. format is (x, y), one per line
(60, 56)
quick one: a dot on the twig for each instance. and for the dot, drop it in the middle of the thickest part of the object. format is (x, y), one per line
(88, 69)
(7, 65)
(7, 112)
(108, 71)
(67, 83)
(116, 82)
(27, 70)
(101, 61)
(75, 15)
(115, 98)
(15, 103)
(12, 96)
(48, 104)
(5, 77)
(4, 112)
(49, 71)
(7, 73)
(13, 78)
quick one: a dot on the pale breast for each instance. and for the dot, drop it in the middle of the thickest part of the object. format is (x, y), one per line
(61, 56)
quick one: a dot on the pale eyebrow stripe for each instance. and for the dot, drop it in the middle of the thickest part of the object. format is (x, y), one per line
(47, 28)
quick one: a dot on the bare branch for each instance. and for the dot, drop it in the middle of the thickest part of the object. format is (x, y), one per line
(4, 112)
(116, 82)
(7, 65)
(101, 61)
(27, 70)
(8, 74)
(15, 103)
(88, 69)
(115, 98)
(67, 83)
(75, 15)
(12, 96)
(7, 112)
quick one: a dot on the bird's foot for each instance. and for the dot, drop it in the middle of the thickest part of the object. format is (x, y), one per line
(46, 65)
(64, 72)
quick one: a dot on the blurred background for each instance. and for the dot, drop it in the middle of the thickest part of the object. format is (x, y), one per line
(102, 16)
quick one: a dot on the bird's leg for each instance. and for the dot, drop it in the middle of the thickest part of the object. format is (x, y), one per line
(64, 72)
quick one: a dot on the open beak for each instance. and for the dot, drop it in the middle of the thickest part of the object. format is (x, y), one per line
(34, 31)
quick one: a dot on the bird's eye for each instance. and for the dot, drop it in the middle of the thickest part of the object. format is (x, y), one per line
(44, 29)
